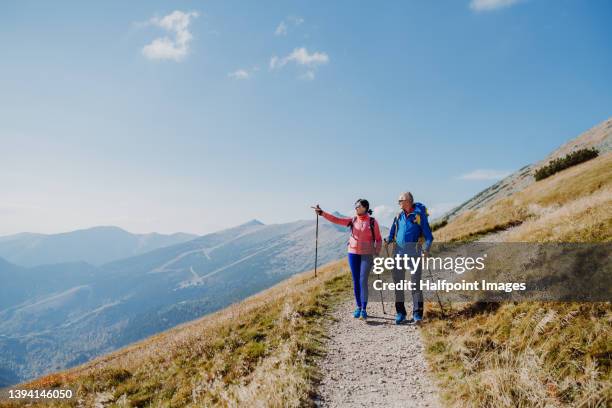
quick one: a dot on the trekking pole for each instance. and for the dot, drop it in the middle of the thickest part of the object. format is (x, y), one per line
(316, 244)
(381, 296)
(437, 294)
(381, 302)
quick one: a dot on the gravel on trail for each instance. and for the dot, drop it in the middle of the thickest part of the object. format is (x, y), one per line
(374, 363)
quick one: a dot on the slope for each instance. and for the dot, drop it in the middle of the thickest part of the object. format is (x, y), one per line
(599, 137)
(259, 352)
(531, 354)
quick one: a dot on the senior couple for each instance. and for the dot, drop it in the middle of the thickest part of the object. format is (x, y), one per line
(365, 243)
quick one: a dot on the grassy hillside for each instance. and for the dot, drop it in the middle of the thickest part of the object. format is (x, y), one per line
(531, 354)
(598, 137)
(573, 205)
(258, 351)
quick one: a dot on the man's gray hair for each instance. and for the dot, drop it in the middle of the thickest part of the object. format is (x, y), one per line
(407, 196)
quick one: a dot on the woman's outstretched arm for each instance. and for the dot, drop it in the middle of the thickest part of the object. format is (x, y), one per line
(332, 218)
(336, 220)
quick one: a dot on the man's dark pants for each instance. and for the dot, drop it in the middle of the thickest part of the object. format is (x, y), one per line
(417, 294)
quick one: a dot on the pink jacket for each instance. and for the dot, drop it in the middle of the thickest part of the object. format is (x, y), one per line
(361, 241)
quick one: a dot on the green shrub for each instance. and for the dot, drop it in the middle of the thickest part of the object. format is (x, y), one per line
(562, 163)
(439, 224)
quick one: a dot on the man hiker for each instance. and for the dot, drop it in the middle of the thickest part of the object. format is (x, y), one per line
(408, 227)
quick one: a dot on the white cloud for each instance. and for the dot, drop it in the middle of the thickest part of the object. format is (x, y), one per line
(300, 56)
(274, 62)
(487, 5)
(281, 29)
(240, 74)
(485, 174)
(175, 48)
(243, 73)
(283, 26)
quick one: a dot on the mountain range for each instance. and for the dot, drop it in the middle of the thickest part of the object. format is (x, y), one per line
(96, 246)
(58, 315)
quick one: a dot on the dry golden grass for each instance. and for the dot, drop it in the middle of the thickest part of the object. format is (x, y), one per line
(576, 183)
(259, 352)
(524, 355)
(531, 354)
(585, 219)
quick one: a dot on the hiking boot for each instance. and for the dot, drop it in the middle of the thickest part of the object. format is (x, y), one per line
(364, 315)
(400, 318)
(417, 319)
(357, 313)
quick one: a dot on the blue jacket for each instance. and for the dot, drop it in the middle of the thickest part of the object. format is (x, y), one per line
(409, 230)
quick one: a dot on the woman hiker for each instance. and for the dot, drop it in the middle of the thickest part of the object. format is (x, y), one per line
(364, 244)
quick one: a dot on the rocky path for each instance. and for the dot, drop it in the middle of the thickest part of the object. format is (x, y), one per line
(374, 363)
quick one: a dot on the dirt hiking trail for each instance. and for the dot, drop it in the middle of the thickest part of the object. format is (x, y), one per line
(374, 363)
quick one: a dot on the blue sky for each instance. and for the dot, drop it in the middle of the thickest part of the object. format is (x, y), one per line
(195, 116)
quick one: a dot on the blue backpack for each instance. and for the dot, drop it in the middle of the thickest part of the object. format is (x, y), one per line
(419, 209)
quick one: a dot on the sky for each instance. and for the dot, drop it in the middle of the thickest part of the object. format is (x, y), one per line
(196, 116)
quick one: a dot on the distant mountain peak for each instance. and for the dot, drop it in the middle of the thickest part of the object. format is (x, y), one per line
(103, 228)
(252, 222)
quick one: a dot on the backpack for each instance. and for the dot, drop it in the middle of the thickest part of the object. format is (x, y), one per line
(418, 210)
(372, 221)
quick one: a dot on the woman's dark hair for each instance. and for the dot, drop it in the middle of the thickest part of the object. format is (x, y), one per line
(365, 204)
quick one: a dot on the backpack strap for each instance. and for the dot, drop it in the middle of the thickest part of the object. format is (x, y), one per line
(417, 220)
(351, 222)
(372, 221)
(396, 221)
